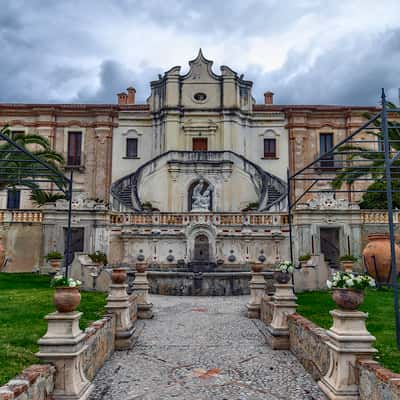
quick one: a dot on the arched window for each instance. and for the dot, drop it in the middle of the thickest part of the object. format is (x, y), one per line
(270, 145)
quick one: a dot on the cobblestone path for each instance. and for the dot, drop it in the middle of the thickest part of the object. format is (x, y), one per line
(199, 348)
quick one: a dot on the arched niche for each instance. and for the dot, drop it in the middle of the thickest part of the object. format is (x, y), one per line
(200, 192)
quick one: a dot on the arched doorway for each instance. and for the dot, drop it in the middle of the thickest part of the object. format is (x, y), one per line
(201, 248)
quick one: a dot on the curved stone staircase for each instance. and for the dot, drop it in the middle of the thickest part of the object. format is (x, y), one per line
(272, 191)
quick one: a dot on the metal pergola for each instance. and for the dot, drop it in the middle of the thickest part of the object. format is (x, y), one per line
(34, 173)
(328, 165)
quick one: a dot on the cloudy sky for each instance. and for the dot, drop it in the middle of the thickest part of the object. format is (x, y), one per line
(306, 51)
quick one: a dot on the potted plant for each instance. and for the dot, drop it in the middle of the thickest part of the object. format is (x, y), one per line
(303, 259)
(99, 257)
(348, 289)
(54, 259)
(284, 272)
(141, 267)
(66, 297)
(347, 262)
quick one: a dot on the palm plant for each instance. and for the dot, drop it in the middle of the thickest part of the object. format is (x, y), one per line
(376, 167)
(20, 169)
(41, 197)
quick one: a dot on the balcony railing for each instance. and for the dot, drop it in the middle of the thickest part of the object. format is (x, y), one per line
(188, 218)
(378, 217)
(21, 216)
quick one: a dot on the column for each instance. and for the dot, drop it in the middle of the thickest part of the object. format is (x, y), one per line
(62, 346)
(118, 304)
(348, 341)
(284, 304)
(257, 290)
(141, 289)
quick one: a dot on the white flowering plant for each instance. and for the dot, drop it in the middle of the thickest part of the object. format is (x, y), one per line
(62, 281)
(347, 280)
(286, 267)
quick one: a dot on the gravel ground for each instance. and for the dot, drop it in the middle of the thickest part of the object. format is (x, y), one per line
(200, 348)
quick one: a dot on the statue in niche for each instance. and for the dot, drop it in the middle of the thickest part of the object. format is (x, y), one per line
(201, 197)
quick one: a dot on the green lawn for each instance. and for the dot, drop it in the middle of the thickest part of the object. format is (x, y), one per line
(24, 300)
(378, 303)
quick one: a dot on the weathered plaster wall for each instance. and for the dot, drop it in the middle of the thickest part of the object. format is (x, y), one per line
(23, 245)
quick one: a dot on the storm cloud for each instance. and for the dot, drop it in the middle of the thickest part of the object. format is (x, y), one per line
(306, 51)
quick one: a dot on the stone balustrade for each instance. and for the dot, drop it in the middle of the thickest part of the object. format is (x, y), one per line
(377, 217)
(21, 216)
(188, 218)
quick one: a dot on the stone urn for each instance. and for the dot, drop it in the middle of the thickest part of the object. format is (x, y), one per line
(347, 299)
(118, 276)
(347, 266)
(141, 267)
(66, 299)
(55, 263)
(377, 253)
(282, 277)
(257, 268)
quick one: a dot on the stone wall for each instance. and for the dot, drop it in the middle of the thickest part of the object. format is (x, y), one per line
(34, 383)
(308, 344)
(100, 339)
(376, 382)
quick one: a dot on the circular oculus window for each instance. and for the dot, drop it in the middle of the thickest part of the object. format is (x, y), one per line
(200, 97)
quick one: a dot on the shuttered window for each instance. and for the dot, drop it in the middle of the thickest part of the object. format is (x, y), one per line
(269, 148)
(131, 148)
(74, 148)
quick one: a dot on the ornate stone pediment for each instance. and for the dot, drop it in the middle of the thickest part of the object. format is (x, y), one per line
(327, 201)
(201, 70)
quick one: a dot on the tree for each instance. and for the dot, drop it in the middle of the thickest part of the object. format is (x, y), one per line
(20, 169)
(374, 169)
(375, 196)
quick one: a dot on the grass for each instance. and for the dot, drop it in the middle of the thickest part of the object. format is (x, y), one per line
(381, 323)
(24, 300)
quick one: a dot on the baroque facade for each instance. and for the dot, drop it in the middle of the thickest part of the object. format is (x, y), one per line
(195, 178)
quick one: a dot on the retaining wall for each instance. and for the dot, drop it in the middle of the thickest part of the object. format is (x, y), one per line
(34, 383)
(100, 339)
(308, 342)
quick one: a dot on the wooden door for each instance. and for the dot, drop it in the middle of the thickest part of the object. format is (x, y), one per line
(200, 144)
(201, 248)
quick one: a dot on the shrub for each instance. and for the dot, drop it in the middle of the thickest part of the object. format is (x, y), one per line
(54, 255)
(99, 257)
(305, 257)
(348, 257)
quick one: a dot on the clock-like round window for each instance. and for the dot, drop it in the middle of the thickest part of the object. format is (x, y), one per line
(200, 97)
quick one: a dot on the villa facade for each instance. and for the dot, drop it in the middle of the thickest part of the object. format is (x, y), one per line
(196, 176)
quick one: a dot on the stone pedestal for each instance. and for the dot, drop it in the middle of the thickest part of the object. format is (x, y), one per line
(348, 341)
(141, 289)
(284, 301)
(62, 346)
(118, 304)
(257, 290)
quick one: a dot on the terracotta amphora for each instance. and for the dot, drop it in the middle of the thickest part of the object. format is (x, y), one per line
(377, 253)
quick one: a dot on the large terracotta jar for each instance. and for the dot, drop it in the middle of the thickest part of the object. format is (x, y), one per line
(66, 299)
(377, 252)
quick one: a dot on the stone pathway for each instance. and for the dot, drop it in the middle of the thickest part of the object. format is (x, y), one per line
(199, 348)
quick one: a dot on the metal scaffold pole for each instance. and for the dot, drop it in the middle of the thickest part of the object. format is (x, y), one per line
(390, 216)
